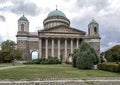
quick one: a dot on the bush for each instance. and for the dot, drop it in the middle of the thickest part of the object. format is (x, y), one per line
(67, 62)
(34, 61)
(74, 57)
(109, 67)
(85, 57)
(50, 60)
(119, 67)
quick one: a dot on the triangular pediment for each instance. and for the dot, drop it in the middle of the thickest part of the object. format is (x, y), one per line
(63, 29)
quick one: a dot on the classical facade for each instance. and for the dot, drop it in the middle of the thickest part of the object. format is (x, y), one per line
(57, 38)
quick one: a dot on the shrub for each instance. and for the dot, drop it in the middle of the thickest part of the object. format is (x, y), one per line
(50, 60)
(85, 56)
(109, 67)
(67, 62)
(34, 61)
(119, 67)
(74, 57)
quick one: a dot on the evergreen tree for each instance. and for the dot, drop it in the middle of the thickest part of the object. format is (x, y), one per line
(86, 57)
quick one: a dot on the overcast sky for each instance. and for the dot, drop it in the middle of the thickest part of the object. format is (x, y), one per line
(79, 12)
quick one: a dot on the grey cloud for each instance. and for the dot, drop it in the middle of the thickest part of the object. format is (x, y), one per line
(25, 7)
(109, 28)
(99, 4)
(3, 1)
(2, 18)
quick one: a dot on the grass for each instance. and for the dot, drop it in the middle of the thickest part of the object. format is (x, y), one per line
(32, 72)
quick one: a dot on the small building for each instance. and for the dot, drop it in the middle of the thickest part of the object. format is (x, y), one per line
(57, 38)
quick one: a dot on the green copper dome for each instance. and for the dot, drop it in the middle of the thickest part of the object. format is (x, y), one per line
(93, 22)
(56, 13)
(23, 18)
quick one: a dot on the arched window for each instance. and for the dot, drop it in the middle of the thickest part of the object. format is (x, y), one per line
(22, 27)
(95, 30)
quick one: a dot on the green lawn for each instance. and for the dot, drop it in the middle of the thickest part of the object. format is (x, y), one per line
(7, 64)
(31, 72)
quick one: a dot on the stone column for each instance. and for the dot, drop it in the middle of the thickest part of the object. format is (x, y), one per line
(77, 44)
(65, 49)
(58, 48)
(40, 47)
(71, 45)
(46, 46)
(52, 48)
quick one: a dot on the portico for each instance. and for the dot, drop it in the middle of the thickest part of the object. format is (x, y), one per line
(58, 46)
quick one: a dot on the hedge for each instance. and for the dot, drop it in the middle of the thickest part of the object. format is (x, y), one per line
(112, 67)
(50, 60)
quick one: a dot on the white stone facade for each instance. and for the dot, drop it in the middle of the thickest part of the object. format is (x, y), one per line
(56, 40)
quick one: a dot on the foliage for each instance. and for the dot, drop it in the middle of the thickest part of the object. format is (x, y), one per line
(119, 67)
(109, 67)
(102, 57)
(18, 54)
(8, 51)
(114, 51)
(68, 62)
(50, 60)
(85, 57)
(74, 58)
(34, 61)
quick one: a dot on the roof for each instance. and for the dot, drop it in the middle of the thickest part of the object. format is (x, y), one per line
(70, 28)
(93, 22)
(56, 13)
(23, 18)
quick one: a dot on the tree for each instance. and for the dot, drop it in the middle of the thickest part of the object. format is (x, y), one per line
(112, 53)
(8, 52)
(86, 56)
(18, 54)
(74, 58)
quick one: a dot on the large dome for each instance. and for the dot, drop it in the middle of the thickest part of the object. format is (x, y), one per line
(56, 13)
(56, 18)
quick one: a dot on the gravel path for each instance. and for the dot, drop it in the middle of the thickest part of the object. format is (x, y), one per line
(63, 82)
(8, 67)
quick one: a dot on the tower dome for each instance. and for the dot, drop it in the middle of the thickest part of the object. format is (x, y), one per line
(93, 22)
(56, 18)
(23, 18)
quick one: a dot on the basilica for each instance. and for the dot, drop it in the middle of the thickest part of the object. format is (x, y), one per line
(57, 38)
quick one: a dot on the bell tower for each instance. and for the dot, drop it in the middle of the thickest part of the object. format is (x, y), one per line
(22, 37)
(93, 28)
(23, 25)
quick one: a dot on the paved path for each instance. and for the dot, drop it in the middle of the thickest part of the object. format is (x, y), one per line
(63, 82)
(8, 67)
